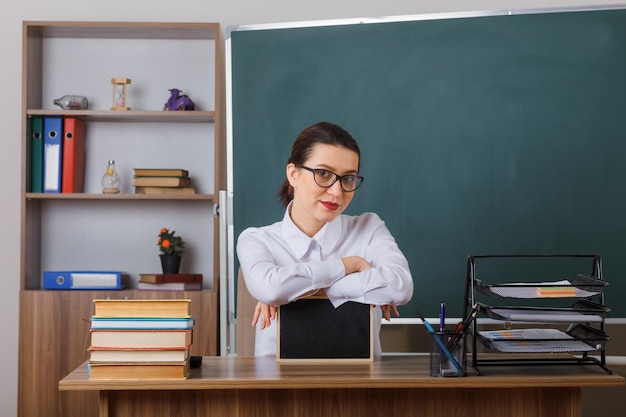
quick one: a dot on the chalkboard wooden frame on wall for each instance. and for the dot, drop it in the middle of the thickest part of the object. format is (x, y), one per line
(494, 133)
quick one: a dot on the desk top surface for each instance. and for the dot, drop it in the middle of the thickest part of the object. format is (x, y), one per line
(386, 372)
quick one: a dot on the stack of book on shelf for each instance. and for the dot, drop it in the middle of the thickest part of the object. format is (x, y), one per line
(162, 181)
(170, 282)
(140, 339)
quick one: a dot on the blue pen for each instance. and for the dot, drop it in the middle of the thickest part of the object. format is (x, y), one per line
(444, 349)
(442, 324)
(442, 317)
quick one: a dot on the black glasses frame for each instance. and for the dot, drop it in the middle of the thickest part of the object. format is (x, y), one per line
(337, 177)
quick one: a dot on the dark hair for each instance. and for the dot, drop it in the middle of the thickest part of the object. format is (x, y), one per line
(322, 132)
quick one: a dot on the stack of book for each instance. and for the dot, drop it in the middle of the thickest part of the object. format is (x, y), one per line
(162, 181)
(170, 282)
(140, 339)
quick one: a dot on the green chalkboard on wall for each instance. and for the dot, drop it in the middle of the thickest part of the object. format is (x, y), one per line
(482, 134)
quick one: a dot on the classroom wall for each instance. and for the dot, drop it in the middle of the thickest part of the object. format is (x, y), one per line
(232, 12)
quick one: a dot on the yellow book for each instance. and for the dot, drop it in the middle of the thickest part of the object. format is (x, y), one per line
(160, 172)
(142, 308)
(165, 190)
(162, 182)
(156, 370)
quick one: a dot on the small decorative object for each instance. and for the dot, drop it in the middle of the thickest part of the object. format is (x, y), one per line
(71, 102)
(110, 180)
(171, 248)
(178, 101)
(119, 93)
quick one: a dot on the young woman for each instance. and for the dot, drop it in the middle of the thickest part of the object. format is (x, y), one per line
(353, 258)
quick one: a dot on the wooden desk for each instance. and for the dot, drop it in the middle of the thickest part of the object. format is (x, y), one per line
(391, 386)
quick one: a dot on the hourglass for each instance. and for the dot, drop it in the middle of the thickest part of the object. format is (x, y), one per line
(119, 93)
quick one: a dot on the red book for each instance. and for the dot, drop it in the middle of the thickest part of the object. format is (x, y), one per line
(166, 278)
(73, 174)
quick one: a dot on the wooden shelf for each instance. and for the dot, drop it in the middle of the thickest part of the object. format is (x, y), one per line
(124, 30)
(121, 196)
(137, 116)
(130, 293)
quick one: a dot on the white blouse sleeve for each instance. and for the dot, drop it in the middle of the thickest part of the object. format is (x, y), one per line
(277, 281)
(389, 281)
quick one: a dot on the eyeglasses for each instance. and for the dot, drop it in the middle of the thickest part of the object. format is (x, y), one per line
(325, 179)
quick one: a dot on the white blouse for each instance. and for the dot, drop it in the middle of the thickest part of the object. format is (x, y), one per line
(280, 264)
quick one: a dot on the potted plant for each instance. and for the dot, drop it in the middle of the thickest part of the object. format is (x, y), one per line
(171, 248)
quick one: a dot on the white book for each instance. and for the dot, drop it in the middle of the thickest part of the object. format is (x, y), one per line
(137, 355)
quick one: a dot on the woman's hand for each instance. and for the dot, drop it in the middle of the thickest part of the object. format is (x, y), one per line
(265, 313)
(387, 309)
(354, 264)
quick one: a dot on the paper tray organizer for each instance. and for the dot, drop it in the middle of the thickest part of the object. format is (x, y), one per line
(582, 311)
(586, 316)
(579, 338)
(580, 286)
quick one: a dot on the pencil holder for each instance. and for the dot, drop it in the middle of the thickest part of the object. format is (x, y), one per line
(447, 354)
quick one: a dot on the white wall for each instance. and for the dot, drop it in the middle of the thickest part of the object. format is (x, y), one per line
(227, 13)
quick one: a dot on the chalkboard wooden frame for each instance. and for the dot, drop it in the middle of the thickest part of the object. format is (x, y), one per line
(498, 133)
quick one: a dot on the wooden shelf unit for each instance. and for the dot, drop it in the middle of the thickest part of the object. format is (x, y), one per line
(94, 229)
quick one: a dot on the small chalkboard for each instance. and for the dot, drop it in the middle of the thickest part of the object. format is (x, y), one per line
(312, 329)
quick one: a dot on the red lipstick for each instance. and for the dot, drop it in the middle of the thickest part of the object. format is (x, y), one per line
(330, 205)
